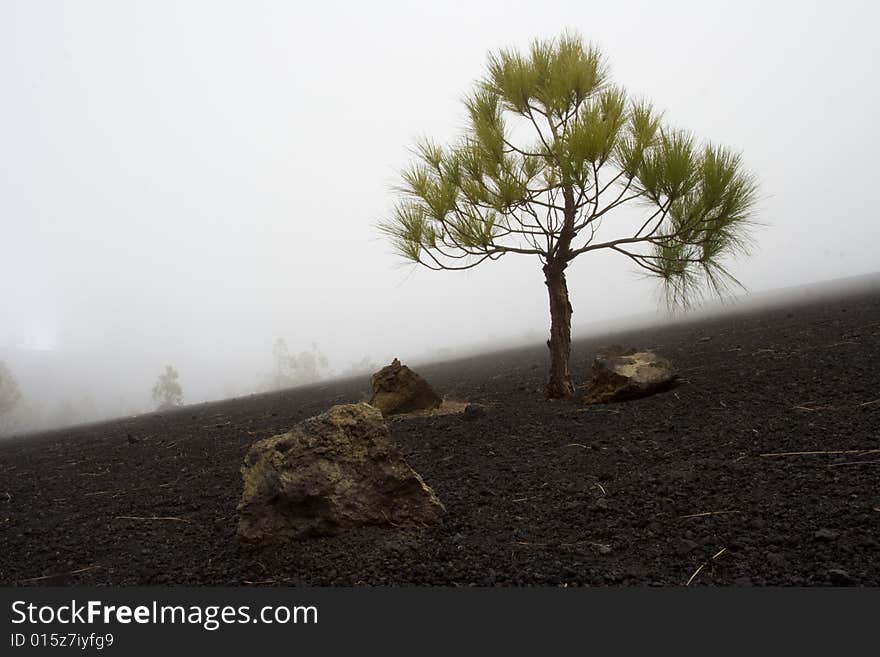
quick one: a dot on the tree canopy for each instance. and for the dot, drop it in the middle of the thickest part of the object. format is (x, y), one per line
(552, 147)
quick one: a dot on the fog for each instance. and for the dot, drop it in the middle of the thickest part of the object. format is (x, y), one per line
(186, 182)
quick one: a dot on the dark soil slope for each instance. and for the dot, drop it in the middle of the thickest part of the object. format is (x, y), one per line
(677, 487)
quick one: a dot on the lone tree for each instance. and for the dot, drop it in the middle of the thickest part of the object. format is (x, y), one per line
(167, 392)
(9, 394)
(551, 151)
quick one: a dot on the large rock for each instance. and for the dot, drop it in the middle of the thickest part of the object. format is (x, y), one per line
(332, 471)
(397, 389)
(620, 374)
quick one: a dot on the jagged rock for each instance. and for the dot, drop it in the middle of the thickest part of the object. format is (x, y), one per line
(330, 472)
(620, 374)
(397, 389)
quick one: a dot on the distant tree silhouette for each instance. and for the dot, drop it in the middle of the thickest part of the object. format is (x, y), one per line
(167, 392)
(63, 414)
(294, 370)
(363, 366)
(10, 395)
(552, 150)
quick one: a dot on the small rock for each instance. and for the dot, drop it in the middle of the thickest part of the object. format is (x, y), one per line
(602, 503)
(825, 534)
(621, 374)
(740, 543)
(474, 411)
(775, 559)
(839, 577)
(605, 549)
(397, 389)
(684, 546)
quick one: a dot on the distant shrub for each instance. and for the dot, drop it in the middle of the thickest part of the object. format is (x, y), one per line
(9, 392)
(9, 397)
(364, 366)
(63, 415)
(294, 369)
(167, 392)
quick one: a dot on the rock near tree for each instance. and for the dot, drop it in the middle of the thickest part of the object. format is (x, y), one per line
(330, 472)
(620, 374)
(397, 389)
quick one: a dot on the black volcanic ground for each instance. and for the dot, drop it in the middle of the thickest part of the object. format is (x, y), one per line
(538, 492)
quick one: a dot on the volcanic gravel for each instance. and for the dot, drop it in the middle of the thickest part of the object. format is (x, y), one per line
(687, 485)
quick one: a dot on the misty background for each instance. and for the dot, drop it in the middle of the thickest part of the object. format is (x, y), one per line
(187, 182)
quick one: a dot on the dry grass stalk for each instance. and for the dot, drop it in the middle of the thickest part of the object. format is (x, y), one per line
(172, 518)
(833, 451)
(31, 580)
(703, 565)
(708, 513)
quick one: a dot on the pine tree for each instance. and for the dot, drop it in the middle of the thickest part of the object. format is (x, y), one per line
(552, 151)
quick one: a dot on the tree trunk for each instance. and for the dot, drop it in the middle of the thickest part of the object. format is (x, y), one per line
(559, 384)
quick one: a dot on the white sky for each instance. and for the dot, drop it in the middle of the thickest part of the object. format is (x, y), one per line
(185, 181)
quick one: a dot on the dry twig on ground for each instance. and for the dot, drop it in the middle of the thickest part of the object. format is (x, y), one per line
(172, 518)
